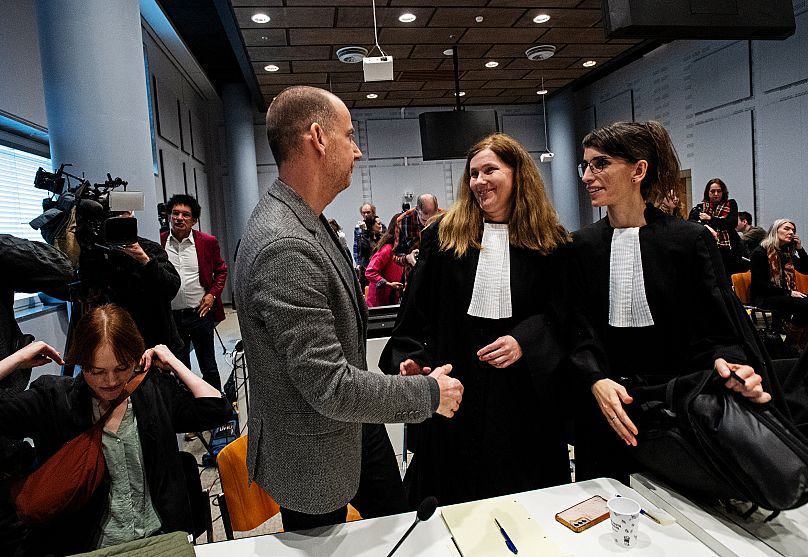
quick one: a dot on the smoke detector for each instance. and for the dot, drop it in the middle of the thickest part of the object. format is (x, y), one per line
(351, 54)
(540, 52)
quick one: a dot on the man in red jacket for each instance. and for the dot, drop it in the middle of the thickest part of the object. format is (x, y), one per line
(197, 307)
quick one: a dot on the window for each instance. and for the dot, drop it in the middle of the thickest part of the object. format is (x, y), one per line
(20, 201)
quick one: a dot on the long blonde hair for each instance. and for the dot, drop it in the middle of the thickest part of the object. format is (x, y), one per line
(771, 242)
(533, 223)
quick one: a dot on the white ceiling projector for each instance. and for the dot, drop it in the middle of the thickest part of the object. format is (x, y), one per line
(378, 68)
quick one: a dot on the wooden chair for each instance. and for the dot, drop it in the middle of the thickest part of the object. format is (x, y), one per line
(802, 282)
(742, 283)
(245, 505)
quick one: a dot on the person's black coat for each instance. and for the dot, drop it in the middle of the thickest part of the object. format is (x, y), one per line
(56, 409)
(499, 441)
(145, 291)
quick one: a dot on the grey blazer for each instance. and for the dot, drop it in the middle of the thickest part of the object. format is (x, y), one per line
(303, 324)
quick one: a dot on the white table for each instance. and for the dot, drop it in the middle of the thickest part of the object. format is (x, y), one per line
(376, 537)
(731, 535)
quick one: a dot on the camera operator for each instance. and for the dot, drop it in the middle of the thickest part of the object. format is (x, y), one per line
(139, 277)
(27, 267)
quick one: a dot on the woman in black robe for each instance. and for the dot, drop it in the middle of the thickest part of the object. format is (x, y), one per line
(482, 298)
(654, 296)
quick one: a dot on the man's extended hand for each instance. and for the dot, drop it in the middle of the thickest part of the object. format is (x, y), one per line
(205, 304)
(451, 391)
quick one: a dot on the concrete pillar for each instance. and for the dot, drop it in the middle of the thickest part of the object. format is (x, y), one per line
(566, 183)
(243, 171)
(95, 94)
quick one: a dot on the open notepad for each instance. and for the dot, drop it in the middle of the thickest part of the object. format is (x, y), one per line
(476, 535)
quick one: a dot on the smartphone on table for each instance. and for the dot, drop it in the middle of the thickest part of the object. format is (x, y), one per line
(585, 514)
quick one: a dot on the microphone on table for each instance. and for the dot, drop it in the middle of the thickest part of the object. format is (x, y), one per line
(425, 510)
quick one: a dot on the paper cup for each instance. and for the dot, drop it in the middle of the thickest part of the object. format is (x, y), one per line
(625, 516)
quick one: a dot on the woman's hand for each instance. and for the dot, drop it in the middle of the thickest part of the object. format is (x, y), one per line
(395, 285)
(705, 217)
(796, 241)
(797, 294)
(410, 367)
(611, 396)
(501, 353)
(34, 355)
(753, 383)
(159, 356)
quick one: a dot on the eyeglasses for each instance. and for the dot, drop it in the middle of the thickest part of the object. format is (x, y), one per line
(596, 165)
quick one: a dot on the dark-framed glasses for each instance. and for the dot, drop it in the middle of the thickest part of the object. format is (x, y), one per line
(596, 165)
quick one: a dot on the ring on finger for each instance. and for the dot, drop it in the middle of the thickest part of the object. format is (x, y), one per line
(613, 418)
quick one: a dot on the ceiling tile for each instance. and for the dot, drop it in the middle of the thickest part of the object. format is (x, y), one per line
(293, 79)
(429, 35)
(282, 18)
(376, 86)
(497, 74)
(574, 35)
(504, 35)
(561, 18)
(302, 66)
(264, 37)
(274, 53)
(336, 37)
(385, 17)
(449, 17)
(436, 51)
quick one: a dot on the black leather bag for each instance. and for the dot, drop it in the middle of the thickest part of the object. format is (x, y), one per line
(711, 442)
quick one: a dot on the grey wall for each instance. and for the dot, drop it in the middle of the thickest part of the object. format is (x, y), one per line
(737, 110)
(392, 165)
(21, 92)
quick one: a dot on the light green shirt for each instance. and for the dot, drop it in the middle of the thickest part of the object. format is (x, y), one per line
(130, 514)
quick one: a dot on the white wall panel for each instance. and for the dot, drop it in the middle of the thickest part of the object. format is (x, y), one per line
(169, 123)
(777, 63)
(527, 129)
(781, 130)
(393, 138)
(722, 77)
(733, 166)
(198, 138)
(616, 109)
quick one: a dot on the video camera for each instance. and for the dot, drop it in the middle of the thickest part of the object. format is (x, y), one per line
(101, 214)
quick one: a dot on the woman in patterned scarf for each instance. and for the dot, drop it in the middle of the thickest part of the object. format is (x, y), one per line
(720, 215)
(774, 280)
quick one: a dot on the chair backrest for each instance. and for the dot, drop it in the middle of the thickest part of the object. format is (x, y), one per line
(742, 282)
(197, 497)
(249, 506)
(802, 282)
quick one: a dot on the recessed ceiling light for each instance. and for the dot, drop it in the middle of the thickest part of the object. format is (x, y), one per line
(261, 18)
(462, 94)
(406, 18)
(479, 19)
(589, 63)
(541, 18)
(491, 64)
(264, 38)
(448, 52)
(271, 68)
(372, 96)
(541, 92)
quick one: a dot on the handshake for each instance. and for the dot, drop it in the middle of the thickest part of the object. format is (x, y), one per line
(451, 390)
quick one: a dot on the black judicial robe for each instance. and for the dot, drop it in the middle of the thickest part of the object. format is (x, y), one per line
(508, 435)
(697, 318)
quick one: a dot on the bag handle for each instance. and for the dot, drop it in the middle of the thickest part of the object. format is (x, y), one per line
(131, 387)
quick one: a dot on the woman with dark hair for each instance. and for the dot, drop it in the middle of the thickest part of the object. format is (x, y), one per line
(654, 298)
(144, 492)
(482, 297)
(774, 264)
(383, 273)
(719, 214)
(365, 244)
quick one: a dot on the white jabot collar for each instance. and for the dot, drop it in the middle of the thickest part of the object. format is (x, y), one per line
(491, 297)
(628, 304)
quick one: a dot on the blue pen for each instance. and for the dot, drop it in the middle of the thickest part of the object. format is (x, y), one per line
(508, 541)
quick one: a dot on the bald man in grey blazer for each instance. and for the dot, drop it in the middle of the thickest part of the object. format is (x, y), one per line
(303, 321)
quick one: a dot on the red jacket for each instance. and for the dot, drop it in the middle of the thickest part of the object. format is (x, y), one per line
(212, 268)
